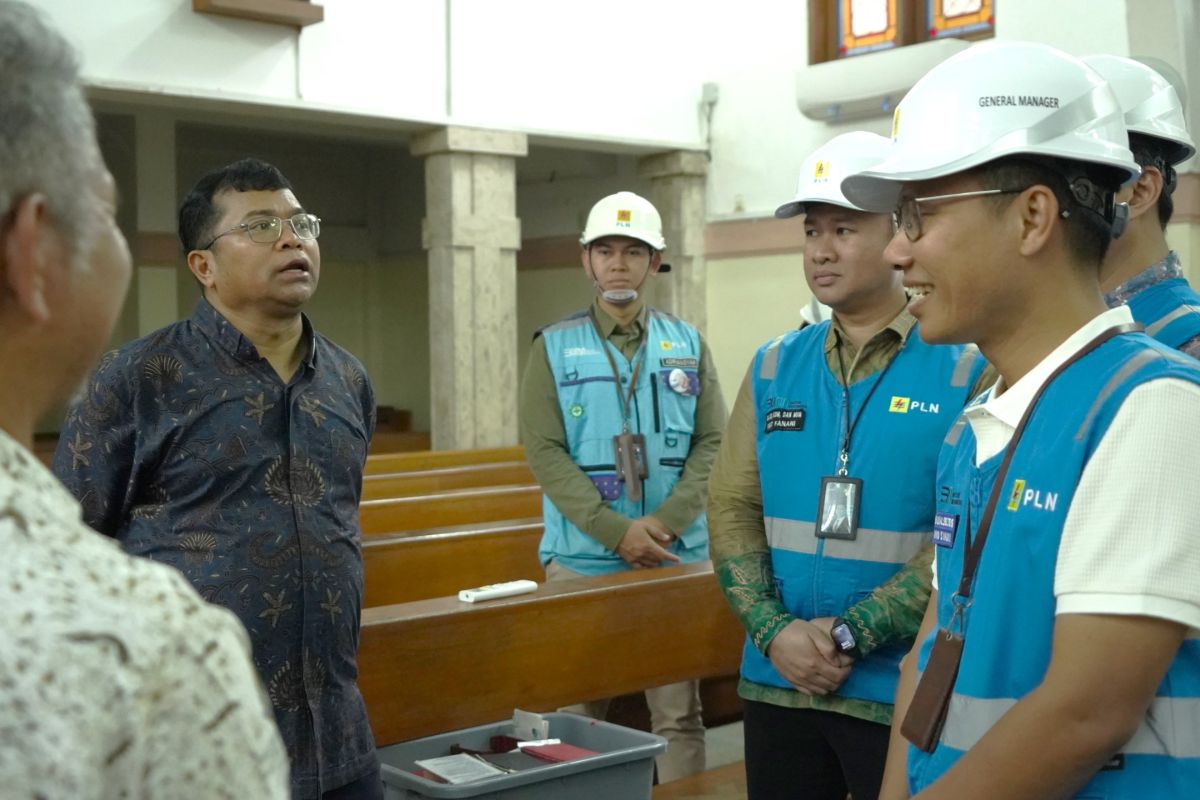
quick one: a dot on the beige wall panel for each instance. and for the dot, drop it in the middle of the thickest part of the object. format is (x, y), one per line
(751, 300)
(545, 296)
(1184, 238)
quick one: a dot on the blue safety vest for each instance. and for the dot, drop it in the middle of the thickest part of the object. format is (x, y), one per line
(663, 410)
(800, 422)
(1010, 623)
(1170, 310)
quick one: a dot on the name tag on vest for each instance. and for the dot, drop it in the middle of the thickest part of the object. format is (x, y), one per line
(785, 419)
(945, 526)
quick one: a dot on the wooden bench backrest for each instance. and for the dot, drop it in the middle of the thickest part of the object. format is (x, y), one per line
(402, 568)
(438, 665)
(436, 459)
(459, 507)
(430, 481)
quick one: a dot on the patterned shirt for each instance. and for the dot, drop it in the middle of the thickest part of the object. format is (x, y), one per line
(189, 449)
(115, 679)
(1165, 270)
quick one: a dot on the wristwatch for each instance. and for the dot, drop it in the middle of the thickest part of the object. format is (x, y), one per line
(843, 638)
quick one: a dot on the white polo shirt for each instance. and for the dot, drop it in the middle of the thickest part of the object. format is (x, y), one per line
(1131, 540)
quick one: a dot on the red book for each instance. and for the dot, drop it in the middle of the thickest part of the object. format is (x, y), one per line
(559, 752)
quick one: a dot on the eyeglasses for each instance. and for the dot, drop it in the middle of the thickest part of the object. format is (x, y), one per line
(907, 216)
(267, 230)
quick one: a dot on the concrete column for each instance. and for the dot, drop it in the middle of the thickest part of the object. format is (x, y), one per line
(156, 287)
(472, 235)
(677, 189)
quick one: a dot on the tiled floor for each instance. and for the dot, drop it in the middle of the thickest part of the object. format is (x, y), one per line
(723, 745)
(725, 777)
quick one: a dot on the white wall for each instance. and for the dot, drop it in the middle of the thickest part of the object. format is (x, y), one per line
(626, 71)
(164, 45)
(382, 58)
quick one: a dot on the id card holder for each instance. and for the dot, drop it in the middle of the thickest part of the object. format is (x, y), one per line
(927, 713)
(838, 507)
(629, 454)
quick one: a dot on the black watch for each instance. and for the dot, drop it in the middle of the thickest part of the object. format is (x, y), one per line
(843, 638)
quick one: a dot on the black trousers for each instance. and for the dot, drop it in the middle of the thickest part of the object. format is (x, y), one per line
(368, 787)
(802, 754)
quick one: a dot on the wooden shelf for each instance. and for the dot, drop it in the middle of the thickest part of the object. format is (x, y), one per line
(282, 12)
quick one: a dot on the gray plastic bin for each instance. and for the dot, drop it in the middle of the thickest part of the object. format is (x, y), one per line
(623, 770)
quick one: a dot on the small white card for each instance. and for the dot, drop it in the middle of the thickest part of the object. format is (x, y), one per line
(461, 768)
(538, 743)
(528, 725)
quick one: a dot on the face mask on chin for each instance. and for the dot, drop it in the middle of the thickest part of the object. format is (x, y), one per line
(619, 297)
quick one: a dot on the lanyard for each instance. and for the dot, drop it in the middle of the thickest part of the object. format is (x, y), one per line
(639, 357)
(974, 549)
(844, 453)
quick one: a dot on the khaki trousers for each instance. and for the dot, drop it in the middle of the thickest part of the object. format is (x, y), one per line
(674, 714)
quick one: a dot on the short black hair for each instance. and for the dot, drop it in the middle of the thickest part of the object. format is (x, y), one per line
(1084, 191)
(197, 214)
(1150, 152)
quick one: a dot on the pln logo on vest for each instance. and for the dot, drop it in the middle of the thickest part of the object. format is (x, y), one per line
(1021, 496)
(903, 405)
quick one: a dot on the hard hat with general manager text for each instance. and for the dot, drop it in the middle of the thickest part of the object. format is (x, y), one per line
(993, 100)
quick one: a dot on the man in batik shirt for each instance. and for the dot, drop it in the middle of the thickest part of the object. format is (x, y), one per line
(231, 446)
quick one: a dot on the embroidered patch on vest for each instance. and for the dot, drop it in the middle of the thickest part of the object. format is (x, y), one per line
(785, 419)
(945, 526)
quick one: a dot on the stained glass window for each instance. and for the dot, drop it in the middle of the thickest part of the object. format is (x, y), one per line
(843, 28)
(866, 25)
(960, 18)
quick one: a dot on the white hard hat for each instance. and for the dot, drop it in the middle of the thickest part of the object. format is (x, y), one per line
(993, 100)
(1151, 105)
(822, 172)
(624, 214)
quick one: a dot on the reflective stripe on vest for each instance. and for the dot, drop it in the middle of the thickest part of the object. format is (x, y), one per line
(885, 547)
(1171, 726)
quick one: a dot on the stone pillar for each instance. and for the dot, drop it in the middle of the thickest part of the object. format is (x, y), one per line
(677, 189)
(156, 287)
(472, 235)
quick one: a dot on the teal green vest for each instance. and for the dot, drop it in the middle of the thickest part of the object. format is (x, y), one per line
(663, 410)
(1010, 620)
(800, 414)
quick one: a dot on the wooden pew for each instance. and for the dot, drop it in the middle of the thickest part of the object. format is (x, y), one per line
(401, 568)
(378, 463)
(404, 567)
(385, 441)
(437, 665)
(429, 481)
(444, 509)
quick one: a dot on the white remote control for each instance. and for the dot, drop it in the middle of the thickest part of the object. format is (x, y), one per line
(494, 590)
